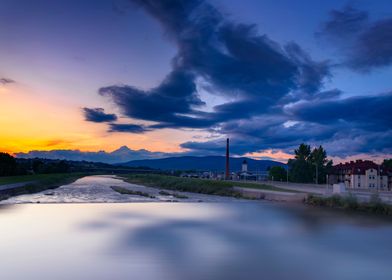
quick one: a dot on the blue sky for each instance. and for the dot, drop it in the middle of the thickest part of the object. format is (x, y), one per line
(181, 76)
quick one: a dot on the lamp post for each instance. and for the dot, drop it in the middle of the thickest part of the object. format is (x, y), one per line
(378, 177)
(287, 175)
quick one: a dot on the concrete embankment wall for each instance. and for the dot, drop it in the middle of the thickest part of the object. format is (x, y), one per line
(271, 195)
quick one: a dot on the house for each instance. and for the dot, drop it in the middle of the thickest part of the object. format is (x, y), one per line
(361, 174)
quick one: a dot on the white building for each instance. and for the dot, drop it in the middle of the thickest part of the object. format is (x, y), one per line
(244, 166)
(361, 175)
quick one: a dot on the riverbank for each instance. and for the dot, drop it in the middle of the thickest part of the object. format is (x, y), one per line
(29, 184)
(212, 187)
(350, 203)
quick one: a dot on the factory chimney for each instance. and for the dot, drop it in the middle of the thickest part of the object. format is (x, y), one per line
(227, 174)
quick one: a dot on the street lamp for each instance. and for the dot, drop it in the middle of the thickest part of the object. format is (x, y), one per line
(316, 173)
(287, 175)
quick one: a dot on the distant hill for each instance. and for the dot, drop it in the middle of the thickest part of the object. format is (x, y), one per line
(207, 163)
(120, 155)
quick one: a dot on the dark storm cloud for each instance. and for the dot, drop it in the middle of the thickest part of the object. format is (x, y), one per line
(130, 128)
(233, 59)
(341, 139)
(366, 45)
(5, 81)
(312, 74)
(98, 115)
(170, 104)
(345, 23)
(275, 96)
(370, 112)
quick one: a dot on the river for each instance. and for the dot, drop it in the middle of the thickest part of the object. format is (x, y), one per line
(217, 239)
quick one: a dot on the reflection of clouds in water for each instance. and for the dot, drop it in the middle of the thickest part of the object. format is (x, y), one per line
(210, 250)
(243, 241)
(253, 240)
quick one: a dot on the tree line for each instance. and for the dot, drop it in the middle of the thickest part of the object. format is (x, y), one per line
(308, 166)
(10, 166)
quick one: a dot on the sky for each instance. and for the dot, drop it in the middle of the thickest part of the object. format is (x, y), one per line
(178, 77)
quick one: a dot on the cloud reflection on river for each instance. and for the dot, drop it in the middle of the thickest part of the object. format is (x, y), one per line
(246, 241)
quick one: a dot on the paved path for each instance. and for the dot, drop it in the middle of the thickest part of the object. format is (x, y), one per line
(271, 195)
(325, 190)
(307, 188)
(14, 185)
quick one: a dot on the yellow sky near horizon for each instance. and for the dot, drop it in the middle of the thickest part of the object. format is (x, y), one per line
(30, 121)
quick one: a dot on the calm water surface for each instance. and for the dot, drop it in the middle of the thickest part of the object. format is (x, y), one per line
(170, 241)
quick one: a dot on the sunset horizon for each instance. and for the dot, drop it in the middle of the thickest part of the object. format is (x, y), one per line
(195, 139)
(96, 83)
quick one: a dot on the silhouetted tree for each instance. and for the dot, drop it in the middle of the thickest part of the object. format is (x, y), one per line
(37, 165)
(320, 163)
(387, 163)
(303, 152)
(278, 173)
(309, 165)
(8, 165)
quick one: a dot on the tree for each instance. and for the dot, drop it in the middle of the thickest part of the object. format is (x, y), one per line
(303, 152)
(318, 159)
(300, 171)
(277, 173)
(387, 163)
(309, 165)
(8, 165)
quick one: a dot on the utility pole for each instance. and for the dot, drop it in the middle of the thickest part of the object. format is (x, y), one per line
(378, 177)
(227, 160)
(287, 177)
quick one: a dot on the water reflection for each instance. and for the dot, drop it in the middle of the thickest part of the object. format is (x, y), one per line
(255, 240)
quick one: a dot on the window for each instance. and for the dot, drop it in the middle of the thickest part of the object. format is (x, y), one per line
(359, 185)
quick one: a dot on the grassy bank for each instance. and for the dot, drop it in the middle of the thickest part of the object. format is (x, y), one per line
(213, 187)
(375, 205)
(122, 190)
(37, 183)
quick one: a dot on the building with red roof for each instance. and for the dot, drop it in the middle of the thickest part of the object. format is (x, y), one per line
(362, 174)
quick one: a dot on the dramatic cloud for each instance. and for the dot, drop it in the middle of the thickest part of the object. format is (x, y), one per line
(233, 59)
(4, 81)
(372, 113)
(98, 115)
(347, 126)
(130, 128)
(169, 104)
(366, 45)
(274, 94)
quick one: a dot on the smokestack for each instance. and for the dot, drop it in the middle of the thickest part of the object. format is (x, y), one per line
(227, 160)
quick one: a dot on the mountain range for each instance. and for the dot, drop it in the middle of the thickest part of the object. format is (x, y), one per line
(120, 155)
(157, 160)
(207, 163)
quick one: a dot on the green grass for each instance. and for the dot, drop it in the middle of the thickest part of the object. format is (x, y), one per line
(375, 205)
(122, 190)
(24, 178)
(204, 186)
(38, 183)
